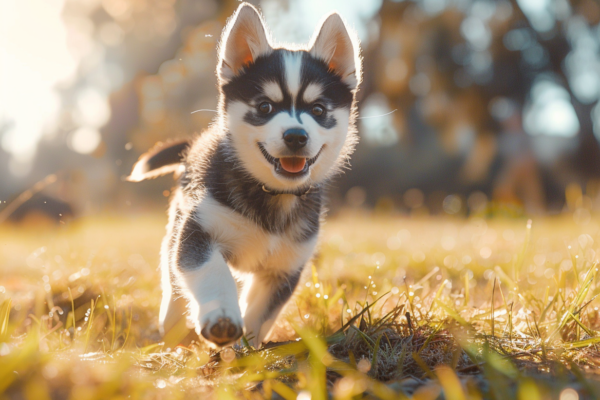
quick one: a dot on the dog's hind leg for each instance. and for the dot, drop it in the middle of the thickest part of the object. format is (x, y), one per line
(209, 285)
(263, 299)
(173, 307)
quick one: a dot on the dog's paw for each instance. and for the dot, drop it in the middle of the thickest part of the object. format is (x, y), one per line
(221, 330)
(255, 332)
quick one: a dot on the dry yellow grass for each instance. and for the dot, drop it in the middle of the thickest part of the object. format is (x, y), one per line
(392, 308)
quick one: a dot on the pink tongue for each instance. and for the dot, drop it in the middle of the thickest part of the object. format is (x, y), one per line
(292, 164)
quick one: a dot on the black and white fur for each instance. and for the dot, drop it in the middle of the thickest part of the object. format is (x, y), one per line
(238, 220)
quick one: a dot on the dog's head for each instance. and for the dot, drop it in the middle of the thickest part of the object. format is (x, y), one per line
(290, 113)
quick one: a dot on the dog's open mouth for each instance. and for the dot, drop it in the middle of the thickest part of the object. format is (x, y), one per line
(290, 166)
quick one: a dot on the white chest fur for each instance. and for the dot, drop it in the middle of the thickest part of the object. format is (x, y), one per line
(249, 246)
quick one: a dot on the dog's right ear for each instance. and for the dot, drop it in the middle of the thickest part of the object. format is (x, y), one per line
(162, 159)
(244, 40)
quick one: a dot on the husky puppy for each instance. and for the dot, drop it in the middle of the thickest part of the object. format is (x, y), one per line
(250, 194)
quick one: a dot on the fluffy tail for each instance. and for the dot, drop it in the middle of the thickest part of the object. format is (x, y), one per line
(162, 159)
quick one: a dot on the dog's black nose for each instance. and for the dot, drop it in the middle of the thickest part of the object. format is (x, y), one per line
(295, 138)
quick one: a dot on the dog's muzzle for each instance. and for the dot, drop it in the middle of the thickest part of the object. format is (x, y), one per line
(291, 167)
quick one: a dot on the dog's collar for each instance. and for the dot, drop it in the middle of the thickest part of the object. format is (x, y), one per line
(298, 193)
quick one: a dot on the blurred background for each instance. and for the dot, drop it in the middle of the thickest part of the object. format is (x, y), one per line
(467, 106)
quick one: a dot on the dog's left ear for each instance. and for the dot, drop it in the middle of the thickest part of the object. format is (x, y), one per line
(244, 40)
(339, 48)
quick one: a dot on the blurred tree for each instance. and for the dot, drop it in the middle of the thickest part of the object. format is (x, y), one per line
(126, 96)
(459, 96)
(466, 70)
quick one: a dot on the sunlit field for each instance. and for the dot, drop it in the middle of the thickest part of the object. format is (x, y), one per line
(393, 307)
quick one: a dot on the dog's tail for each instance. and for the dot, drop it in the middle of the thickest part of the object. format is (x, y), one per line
(162, 159)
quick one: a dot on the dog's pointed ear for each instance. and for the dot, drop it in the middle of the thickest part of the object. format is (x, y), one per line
(244, 40)
(339, 48)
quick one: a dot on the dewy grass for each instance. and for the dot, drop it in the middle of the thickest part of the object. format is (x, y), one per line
(391, 308)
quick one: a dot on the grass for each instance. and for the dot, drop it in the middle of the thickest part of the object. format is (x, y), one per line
(392, 308)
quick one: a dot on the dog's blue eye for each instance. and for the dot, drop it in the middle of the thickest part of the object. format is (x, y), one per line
(318, 110)
(265, 107)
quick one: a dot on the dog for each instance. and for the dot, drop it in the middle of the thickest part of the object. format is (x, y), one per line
(245, 215)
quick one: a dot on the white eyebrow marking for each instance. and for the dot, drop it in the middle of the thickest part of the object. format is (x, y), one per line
(312, 92)
(293, 64)
(273, 91)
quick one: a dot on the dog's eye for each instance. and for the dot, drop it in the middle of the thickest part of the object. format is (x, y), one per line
(318, 110)
(265, 107)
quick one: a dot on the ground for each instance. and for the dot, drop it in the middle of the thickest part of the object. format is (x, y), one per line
(392, 307)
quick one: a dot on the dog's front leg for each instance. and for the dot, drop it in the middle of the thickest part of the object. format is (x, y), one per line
(209, 285)
(263, 299)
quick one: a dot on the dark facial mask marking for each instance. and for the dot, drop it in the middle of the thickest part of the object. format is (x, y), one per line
(248, 87)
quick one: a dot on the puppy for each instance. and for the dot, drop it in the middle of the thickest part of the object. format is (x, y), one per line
(248, 205)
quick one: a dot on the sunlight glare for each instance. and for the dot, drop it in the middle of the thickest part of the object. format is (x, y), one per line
(550, 112)
(569, 394)
(85, 140)
(35, 57)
